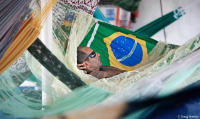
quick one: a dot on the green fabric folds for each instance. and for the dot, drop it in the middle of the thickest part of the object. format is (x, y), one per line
(129, 5)
(160, 23)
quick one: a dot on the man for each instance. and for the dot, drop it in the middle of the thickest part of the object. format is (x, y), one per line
(89, 62)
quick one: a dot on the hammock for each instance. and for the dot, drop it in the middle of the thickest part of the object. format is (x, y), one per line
(28, 32)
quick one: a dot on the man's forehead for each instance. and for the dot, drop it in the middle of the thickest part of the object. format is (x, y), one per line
(86, 50)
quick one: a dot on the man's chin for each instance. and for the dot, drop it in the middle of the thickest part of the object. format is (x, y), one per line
(88, 71)
(100, 64)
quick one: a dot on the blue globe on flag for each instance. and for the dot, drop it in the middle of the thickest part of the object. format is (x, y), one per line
(126, 50)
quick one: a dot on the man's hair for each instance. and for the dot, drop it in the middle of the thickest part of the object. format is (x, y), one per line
(81, 56)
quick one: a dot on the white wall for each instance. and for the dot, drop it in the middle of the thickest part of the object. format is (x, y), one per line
(179, 32)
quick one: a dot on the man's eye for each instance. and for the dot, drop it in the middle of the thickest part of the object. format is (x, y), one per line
(92, 55)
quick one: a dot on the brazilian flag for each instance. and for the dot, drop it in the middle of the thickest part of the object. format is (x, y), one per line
(118, 47)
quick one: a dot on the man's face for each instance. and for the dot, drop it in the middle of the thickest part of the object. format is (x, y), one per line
(93, 61)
